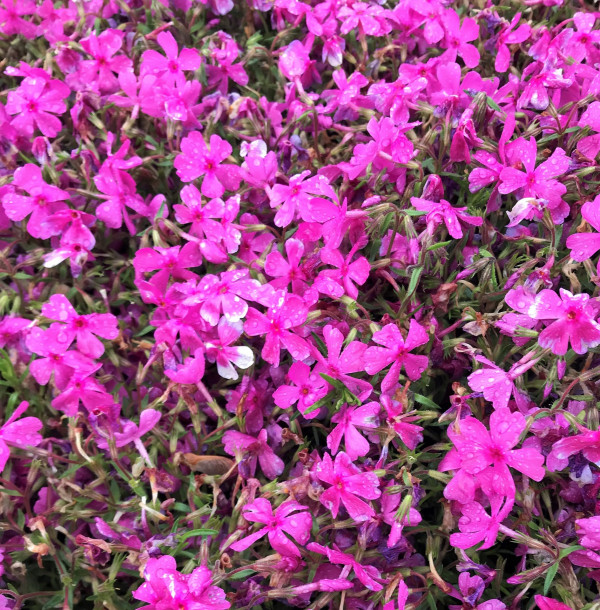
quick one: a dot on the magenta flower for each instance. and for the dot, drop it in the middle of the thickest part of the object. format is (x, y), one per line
(286, 313)
(119, 193)
(477, 526)
(100, 70)
(169, 262)
(166, 588)
(346, 273)
(588, 531)
(308, 389)
(369, 576)
(289, 271)
(457, 38)
(339, 364)
(537, 182)
(190, 371)
(224, 353)
(479, 448)
(439, 212)
(590, 145)
(574, 321)
(225, 68)
(297, 197)
(11, 18)
(83, 328)
(22, 433)
(510, 35)
(410, 434)
(289, 518)
(35, 104)
(588, 443)
(584, 245)
(200, 215)
(496, 384)
(174, 64)
(81, 388)
(249, 449)
(52, 345)
(348, 485)
(395, 351)
(197, 159)
(369, 19)
(43, 200)
(124, 432)
(547, 603)
(227, 294)
(390, 503)
(294, 60)
(347, 420)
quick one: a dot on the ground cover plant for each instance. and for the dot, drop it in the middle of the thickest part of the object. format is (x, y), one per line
(299, 304)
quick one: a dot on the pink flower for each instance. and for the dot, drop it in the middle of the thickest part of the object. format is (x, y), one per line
(226, 294)
(249, 449)
(105, 62)
(536, 182)
(339, 364)
(289, 271)
(590, 145)
(286, 313)
(294, 60)
(82, 388)
(42, 202)
(396, 352)
(197, 159)
(442, 212)
(277, 524)
(410, 434)
(22, 433)
(191, 371)
(588, 443)
(390, 503)
(11, 18)
(83, 328)
(458, 36)
(348, 485)
(35, 103)
(200, 214)
(119, 193)
(308, 389)
(367, 575)
(477, 526)
(510, 35)
(169, 262)
(166, 588)
(589, 532)
(224, 353)
(52, 345)
(584, 245)
(347, 420)
(497, 385)
(368, 18)
(547, 603)
(173, 66)
(478, 449)
(296, 197)
(124, 431)
(574, 321)
(345, 275)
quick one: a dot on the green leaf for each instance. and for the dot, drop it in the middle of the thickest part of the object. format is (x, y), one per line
(550, 574)
(241, 575)
(426, 401)
(199, 532)
(492, 104)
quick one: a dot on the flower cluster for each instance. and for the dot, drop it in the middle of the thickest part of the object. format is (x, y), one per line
(299, 304)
